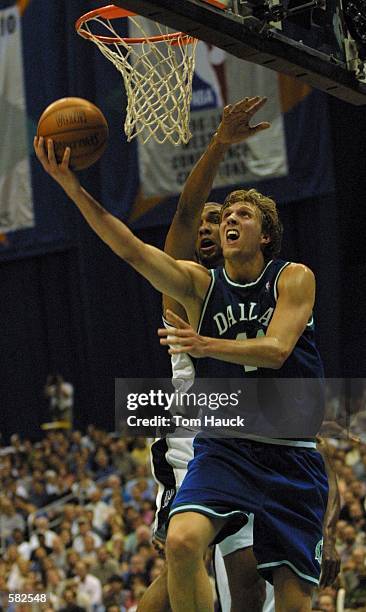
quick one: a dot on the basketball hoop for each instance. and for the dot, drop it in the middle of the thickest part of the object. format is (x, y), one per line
(157, 71)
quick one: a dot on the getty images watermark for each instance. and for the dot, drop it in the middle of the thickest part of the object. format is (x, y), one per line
(179, 402)
(269, 407)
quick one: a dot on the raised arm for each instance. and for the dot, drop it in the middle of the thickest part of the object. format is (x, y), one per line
(185, 282)
(296, 291)
(233, 129)
(182, 235)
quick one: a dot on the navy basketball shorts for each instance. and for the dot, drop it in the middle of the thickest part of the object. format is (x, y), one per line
(285, 487)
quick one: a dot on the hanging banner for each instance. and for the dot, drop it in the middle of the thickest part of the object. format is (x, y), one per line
(16, 204)
(219, 79)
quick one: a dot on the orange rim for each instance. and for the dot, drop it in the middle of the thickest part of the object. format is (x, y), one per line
(115, 12)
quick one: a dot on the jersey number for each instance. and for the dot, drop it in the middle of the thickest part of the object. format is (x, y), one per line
(243, 336)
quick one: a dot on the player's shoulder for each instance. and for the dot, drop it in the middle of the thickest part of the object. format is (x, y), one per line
(296, 273)
(297, 282)
(195, 267)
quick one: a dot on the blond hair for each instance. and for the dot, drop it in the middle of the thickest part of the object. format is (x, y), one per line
(271, 224)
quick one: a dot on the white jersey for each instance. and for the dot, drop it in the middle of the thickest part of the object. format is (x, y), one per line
(176, 452)
(170, 455)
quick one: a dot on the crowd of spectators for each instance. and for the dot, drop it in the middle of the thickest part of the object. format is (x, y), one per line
(92, 551)
(349, 462)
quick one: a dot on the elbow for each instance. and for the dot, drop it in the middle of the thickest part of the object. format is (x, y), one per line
(279, 358)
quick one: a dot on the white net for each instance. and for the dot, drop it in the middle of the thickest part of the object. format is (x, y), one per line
(157, 78)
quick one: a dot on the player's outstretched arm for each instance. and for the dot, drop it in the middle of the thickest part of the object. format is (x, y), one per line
(296, 292)
(330, 558)
(180, 280)
(234, 128)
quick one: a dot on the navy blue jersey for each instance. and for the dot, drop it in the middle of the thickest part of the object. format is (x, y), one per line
(237, 311)
(283, 403)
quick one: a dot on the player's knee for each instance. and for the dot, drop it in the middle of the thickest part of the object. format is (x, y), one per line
(182, 545)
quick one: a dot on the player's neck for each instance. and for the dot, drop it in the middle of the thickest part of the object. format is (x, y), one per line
(244, 270)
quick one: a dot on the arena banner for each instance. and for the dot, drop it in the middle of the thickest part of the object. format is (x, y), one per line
(16, 204)
(219, 79)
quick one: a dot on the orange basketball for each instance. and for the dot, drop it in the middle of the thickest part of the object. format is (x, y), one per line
(78, 124)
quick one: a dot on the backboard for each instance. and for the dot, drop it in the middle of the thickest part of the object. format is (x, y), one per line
(311, 40)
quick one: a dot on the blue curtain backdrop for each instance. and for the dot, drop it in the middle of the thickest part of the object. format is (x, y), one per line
(71, 306)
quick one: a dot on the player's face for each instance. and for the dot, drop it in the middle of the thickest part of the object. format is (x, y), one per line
(241, 230)
(208, 245)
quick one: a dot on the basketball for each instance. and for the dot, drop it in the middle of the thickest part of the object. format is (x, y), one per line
(78, 124)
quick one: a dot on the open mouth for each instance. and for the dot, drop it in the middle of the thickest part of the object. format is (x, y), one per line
(232, 235)
(207, 245)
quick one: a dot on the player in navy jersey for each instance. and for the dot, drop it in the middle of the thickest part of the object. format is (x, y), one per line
(257, 314)
(282, 482)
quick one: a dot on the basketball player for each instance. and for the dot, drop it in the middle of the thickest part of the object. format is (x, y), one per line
(279, 297)
(170, 456)
(291, 470)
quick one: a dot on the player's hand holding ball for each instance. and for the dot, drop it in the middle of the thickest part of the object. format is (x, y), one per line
(72, 134)
(60, 172)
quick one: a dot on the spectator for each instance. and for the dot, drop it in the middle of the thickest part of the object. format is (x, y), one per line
(142, 535)
(101, 510)
(53, 486)
(114, 592)
(113, 488)
(85, 528)
(105, 566)
(70, 604)
(137, 569)
(66, 537)
(88, 585)
(9, 519)
(42, 528)
(137, 592)
(356, 515)
(123, 462)
(54, 587)
(90, 554)
(349, 542)
(61, 398)
(84, 486)
(115, 546)
(326, 603)
(58, 553)
(18, 575)
(23, 547)
(103, 468)
(73, 558)
(38, 495)
(141, 452)
(354, 577)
